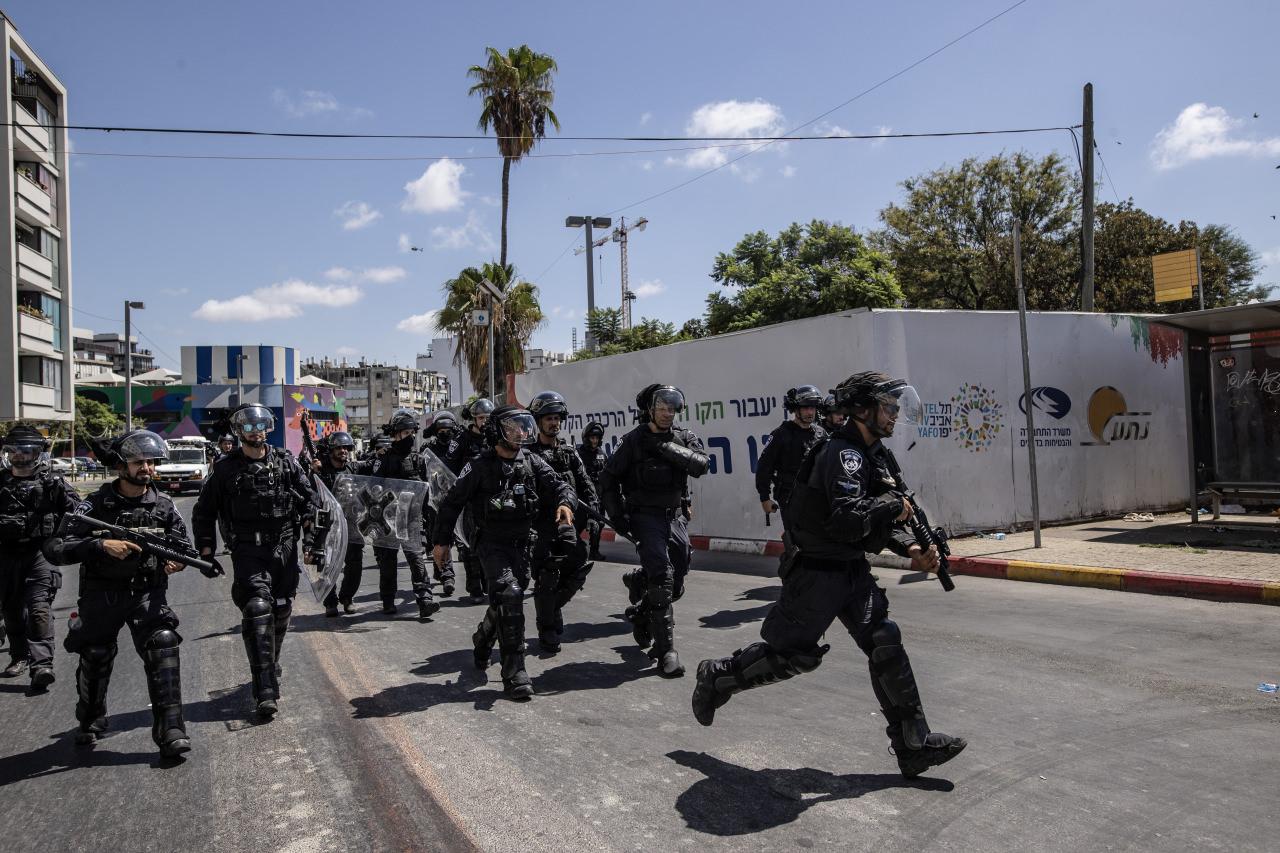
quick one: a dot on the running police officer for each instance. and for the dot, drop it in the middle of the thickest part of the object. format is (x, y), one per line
(32, 502)
(593, 458)
(644, 487)
(846, 503)
(120, 585)
(560, 564)
(335, 458)
(776, 470)
(258, 497)
(508, 489)
(462, 448)
(402, 463)
(442, 429)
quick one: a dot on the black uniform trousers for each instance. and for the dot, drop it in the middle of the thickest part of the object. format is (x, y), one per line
(28, 585)
(558, 579)
(269, 572)
(813, 598)
(352, 569)
(663, 545)
(389, 567)
(443, 573)
(104, 610)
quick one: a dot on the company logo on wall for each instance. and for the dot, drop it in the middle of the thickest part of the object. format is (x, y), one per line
(1055, 403)
(1111, 421)
(973, 417)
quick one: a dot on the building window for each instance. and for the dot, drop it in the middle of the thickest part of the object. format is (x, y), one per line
(35, 370)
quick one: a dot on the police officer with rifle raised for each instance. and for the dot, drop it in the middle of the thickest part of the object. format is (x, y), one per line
(847, 502)
(128, 538)
(508, 490)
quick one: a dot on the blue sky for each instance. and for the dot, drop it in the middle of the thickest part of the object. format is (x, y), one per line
(318, 247)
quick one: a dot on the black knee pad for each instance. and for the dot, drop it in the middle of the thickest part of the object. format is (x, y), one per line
(97, 656)
(255, 607)
(165, 638)
(760, 663)
(887, 634)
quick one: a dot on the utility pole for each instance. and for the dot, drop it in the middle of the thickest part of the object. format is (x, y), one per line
(1026, 380)
(620, 237)
(589, 222)
(369, 383)
(128, 365)
(1086, 222)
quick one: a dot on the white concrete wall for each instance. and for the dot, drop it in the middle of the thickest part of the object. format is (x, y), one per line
(968, 465)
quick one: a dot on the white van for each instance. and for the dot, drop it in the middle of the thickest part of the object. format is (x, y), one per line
(187, 467)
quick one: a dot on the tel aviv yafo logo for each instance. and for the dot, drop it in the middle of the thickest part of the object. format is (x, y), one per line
(1111, 421)
(976, 417)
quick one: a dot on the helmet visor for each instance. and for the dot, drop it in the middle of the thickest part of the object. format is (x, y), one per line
(143, 445)
(22, 455)
(668, 400)
(904, 401)
(518, 429)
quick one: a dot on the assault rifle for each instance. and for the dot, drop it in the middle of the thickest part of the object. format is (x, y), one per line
(925, 533)
(600, 518)
(150, 543)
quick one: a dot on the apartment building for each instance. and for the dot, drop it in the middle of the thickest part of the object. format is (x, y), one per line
(36, 351)
(392, 387)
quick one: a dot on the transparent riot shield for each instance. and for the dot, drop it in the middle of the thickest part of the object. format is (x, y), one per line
(386, 512)
(330, 552)
(439, 478)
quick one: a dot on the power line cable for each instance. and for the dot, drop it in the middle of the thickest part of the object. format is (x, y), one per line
(1111, 183)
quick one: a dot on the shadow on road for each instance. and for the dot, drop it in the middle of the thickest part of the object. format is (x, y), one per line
(735, 800)
(596, 675)
(62, 755)
(724, 619)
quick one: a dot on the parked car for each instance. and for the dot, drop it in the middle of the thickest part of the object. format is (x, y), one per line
(87, 463)
(187, 468)
(62, 465)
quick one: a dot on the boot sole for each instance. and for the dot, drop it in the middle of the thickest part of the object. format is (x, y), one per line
(942, 756)
(176, 748)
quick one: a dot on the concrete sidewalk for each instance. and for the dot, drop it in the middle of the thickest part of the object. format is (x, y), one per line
(1236, 558)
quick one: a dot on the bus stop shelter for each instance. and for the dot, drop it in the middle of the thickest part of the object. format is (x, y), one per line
(1231, 369)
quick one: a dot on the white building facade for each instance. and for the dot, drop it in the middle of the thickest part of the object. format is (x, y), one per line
(37, 361)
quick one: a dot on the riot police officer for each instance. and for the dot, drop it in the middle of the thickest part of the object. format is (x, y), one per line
(831, 418)
(258, 498)
(776, 470)
(593, 458)
(335, 458)
(401, 462)
(644, 487)
(32, 502)
(437, 435)
(560, 564)
(508, 489)
(226, 444)
(846, 502)
(462, 448)
(121, 585)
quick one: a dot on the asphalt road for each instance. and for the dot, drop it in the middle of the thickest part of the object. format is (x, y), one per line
(1096, 721)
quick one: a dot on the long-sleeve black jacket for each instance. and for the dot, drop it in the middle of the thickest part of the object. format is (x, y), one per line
(564, 460)
(593, 459)
(98, 570)
(846, 501)
(781, 458)
(506, 496)
(464, 445)
(648, 480)
(31, 507)
(246, 497)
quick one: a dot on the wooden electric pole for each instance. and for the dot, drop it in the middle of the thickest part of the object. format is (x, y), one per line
(1086, 222)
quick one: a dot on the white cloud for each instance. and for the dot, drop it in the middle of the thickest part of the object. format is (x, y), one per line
(404, 244)
(1271, 257)
(788, 171)
(647, 165)
(826, 128)
(736, 119)
(313, 102)
(471, 234)
(281, 301)
(338, 274)
(347, 351)
(647, 289)
(439, 189)
(382, 275)
(644, 118)
(557, 310)
(881, 130)
(419, 324)
(356, 215)
(1201, 132)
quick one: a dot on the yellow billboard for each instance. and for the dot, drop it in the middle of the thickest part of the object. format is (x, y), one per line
(1177, 275)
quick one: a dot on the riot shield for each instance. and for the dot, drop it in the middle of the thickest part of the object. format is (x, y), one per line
(331, 549)
(385, 511)
(439, 478)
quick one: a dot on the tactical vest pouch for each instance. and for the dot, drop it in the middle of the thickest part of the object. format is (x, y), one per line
(15, 525)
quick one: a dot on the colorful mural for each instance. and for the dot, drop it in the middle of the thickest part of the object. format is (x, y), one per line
(183, 411)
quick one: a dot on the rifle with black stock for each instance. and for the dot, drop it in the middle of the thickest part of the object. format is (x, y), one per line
(150, 543)
(925, 533)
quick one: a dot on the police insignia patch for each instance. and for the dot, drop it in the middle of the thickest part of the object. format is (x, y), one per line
(465, 468)
(84, 508)
(851, 460)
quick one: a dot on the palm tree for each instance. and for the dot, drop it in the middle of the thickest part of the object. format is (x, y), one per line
(517, 92)
(514, 320)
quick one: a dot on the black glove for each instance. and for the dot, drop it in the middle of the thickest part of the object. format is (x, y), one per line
(566, 539)
(215, 569)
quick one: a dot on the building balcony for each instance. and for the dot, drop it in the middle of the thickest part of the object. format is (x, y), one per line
(39, 396)
(32, 203)
(35, 336)
(35, 270)
(30, 136)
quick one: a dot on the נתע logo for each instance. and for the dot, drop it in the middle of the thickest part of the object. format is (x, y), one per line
(1111, 421)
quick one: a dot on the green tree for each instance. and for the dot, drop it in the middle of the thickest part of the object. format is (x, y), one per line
(612, 339)
(805, 271)
(604, 325)
(517, 92)
(1126, 237)
(514, 320)
(95, 419)
(951, 239)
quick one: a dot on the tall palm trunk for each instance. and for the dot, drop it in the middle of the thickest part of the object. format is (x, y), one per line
(506, 188)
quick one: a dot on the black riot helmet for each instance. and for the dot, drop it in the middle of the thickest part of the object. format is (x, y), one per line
(870, 390)
(512, 426)
(340, 439)
(594, 428)
(139, 445)
(801, 396)
(23, 447)
(382, 442)
(480, 406)
(659, 395)
(828, 406)
(252, 418)
(400, 421)
(548, 403)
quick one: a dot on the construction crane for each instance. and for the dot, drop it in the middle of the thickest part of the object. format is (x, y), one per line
(619, 236)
